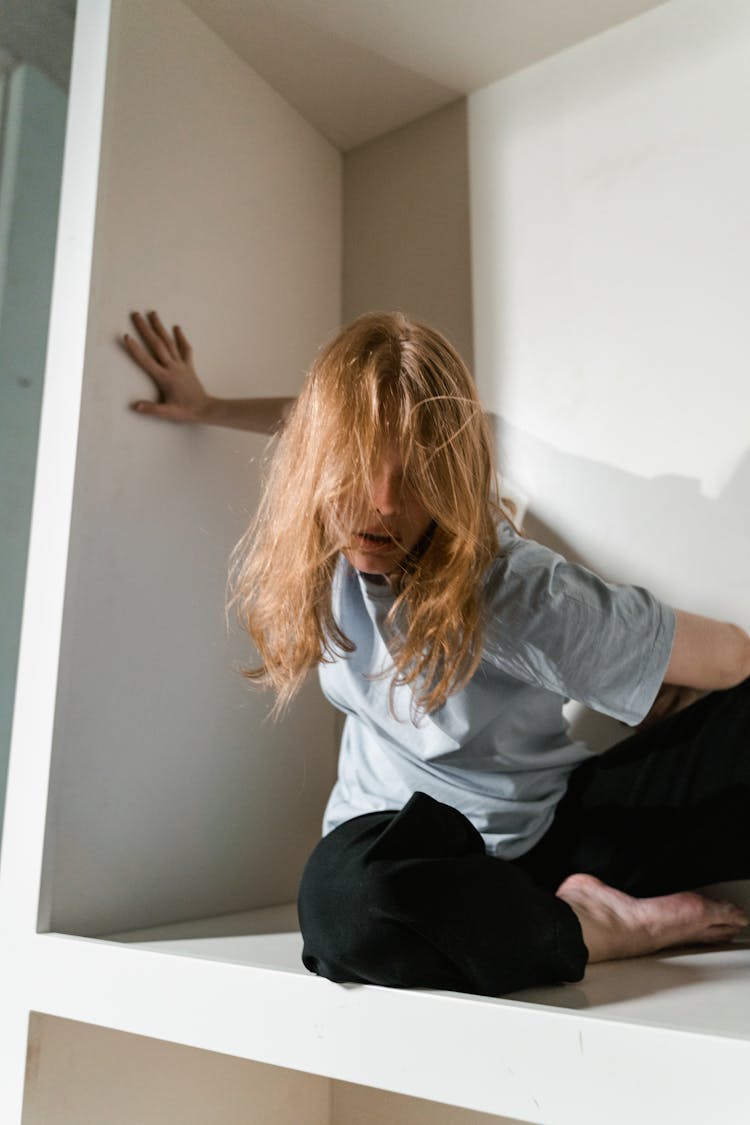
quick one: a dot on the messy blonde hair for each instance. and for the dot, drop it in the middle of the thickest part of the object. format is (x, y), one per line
(385, 382)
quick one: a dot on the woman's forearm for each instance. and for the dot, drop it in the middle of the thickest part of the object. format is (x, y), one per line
(708, 654)
(167, 358)
(257, 415)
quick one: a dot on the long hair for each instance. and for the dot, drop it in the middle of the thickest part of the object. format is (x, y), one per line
(385, 382)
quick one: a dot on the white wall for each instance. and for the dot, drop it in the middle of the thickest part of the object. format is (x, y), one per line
(171, 797)
(406, 225)
(610, 244)
(31, 152)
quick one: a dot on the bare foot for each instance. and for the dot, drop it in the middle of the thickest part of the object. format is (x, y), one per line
(615, 925)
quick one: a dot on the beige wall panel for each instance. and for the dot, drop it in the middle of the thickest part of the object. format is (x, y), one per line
(171, 795)
(83, 1075)
(361, 1105)
(406, 225)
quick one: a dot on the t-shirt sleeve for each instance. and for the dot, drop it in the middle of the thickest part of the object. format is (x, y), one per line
(557, 625)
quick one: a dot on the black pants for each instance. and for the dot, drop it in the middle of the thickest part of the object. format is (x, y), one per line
(410, 898)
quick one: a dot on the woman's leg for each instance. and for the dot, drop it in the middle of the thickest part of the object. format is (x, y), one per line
(665, 810)
(617, 925)
(412, 900)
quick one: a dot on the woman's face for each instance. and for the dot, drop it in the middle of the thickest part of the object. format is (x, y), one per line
(390, 525)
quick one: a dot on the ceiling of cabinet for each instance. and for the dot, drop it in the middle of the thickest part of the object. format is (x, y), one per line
(359, 68)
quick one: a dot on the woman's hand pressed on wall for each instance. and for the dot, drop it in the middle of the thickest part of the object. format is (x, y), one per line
(168, 361)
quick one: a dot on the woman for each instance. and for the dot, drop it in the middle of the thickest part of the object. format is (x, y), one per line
(469, 844)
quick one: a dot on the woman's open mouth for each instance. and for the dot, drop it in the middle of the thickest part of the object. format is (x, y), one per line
(373, 543)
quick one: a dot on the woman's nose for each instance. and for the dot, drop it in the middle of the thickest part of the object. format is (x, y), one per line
(386, 492)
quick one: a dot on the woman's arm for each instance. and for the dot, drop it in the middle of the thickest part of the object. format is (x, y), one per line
(707, 655)
(168, 361)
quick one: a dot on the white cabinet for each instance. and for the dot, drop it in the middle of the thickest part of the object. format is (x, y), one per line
(157, 822)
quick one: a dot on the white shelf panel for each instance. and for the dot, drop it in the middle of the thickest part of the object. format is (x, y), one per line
(265, 938)
(668, 1033)
(267, 920)
(700, 990)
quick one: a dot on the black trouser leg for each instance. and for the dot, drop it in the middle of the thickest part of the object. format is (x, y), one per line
(667, 809)
(411, 899)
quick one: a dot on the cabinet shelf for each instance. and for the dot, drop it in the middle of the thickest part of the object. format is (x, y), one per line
(656, 1023)
(144, 783)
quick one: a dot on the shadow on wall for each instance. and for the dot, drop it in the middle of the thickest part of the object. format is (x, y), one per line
(666, 520)
(663, 533)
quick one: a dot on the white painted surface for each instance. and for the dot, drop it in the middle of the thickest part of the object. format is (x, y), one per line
(537, 1061)
(281, 919)
(28, 774)
(284, 186)
(617, 1048)
(406, 225)
(358, 70)
(610, 250)
(697, 990)
(171, 795)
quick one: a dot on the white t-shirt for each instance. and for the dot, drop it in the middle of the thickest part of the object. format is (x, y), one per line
(499, 751)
